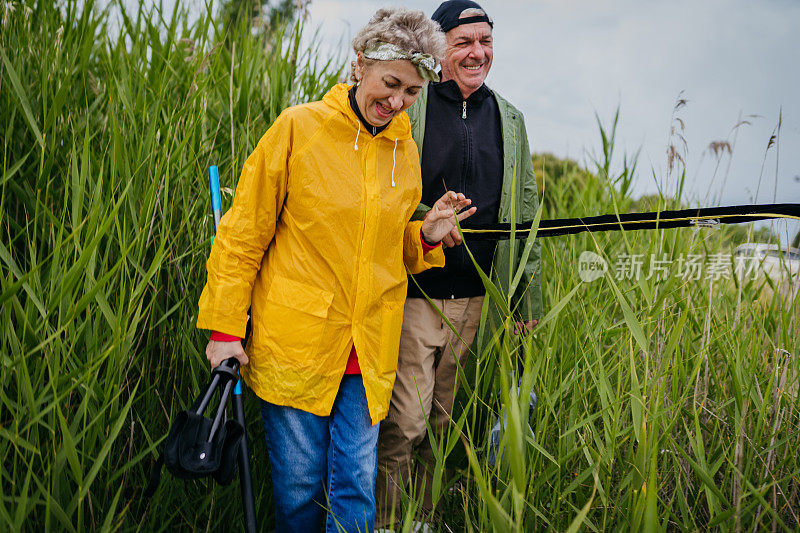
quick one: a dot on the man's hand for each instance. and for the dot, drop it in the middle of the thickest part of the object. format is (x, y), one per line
(439, 222)
(527, 325)
(452, 239)
(218, 351)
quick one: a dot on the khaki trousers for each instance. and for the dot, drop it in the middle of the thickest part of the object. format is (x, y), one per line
(424, 388)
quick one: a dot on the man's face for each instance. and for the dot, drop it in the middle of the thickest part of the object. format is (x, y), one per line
(469, 56)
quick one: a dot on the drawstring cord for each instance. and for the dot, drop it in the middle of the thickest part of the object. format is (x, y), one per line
(394, 160)
(355, 145)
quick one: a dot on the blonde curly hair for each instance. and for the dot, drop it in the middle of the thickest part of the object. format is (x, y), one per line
(410, 30)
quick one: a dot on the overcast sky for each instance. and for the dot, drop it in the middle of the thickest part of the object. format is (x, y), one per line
(561, 62)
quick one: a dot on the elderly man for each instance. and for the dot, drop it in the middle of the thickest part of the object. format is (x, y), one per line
(471, 141)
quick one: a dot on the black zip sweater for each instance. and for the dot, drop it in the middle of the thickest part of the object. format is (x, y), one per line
(462, 151)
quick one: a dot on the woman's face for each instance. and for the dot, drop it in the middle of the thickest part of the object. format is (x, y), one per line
(386, 88)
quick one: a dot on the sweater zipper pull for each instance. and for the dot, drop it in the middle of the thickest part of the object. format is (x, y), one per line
(464, 110)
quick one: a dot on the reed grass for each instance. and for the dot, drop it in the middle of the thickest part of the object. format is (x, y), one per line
(663, 404)
(667, 403)
(107, 135)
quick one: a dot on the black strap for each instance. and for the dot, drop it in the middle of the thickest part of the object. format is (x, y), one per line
(155, 478)
(698, 217)
(476, 18)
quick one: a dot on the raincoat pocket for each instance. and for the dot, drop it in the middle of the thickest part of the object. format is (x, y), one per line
(391, 325)
(295, 317)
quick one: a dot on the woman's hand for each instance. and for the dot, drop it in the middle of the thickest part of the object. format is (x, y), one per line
(218, 351)
(440, 220)
(452, 239)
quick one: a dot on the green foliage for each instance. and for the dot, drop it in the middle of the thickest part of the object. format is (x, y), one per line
(560, 181)
(105, 221)
(258, 14)
(665, 402)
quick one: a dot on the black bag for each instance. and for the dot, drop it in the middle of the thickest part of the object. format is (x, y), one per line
(188, 454)
(198, 446)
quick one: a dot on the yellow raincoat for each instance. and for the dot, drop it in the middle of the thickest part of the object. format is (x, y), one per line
(316, 243)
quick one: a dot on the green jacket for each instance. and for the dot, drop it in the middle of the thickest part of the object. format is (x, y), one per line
(519, 182)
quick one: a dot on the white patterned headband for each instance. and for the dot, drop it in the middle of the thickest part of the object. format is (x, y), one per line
(425, 63)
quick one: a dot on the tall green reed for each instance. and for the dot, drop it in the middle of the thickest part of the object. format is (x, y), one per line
(665, 402)
(105, 226)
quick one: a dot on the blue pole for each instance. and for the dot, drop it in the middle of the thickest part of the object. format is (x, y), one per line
(245, 476)
(216, 197)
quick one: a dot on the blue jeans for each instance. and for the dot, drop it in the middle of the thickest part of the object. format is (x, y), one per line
(324, 467)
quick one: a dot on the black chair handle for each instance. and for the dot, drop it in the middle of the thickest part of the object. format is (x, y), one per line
(228, 369)
(227, 372)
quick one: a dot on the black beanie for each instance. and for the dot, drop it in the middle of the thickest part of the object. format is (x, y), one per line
(448, 12)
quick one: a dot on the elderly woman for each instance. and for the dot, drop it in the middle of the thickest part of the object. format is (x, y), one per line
(317, 244)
